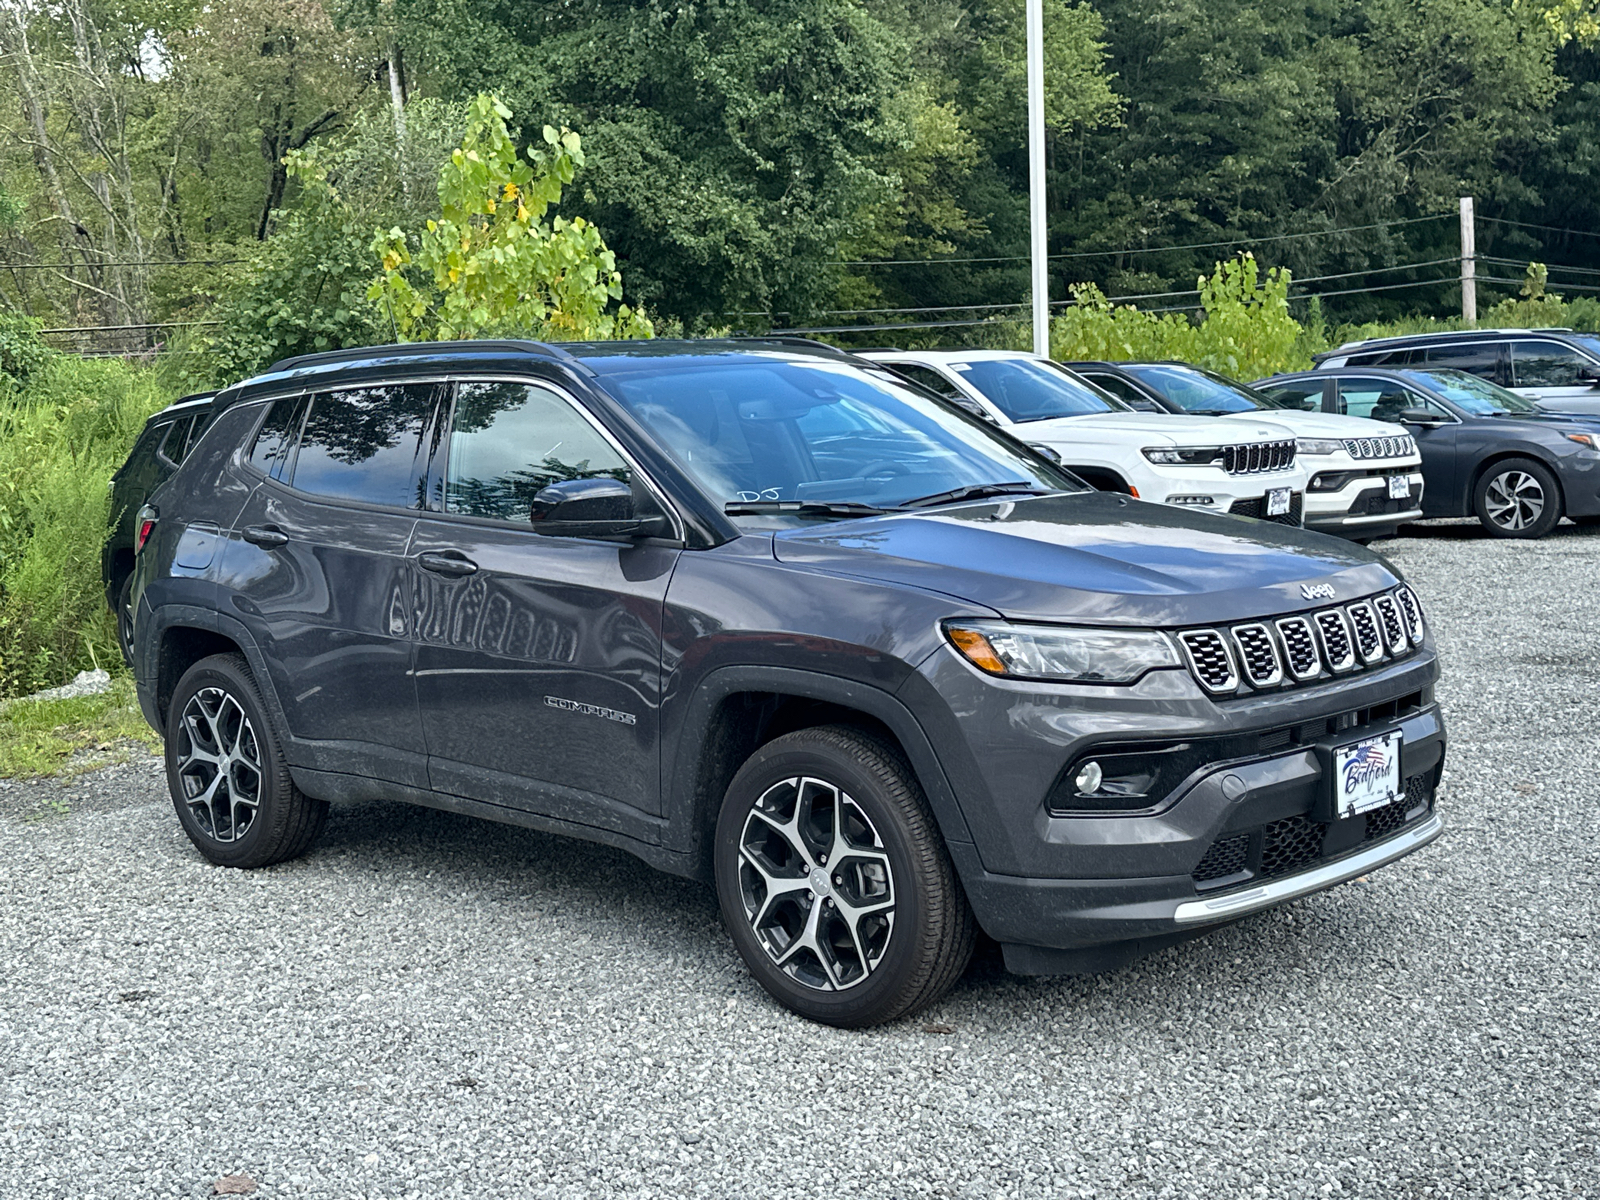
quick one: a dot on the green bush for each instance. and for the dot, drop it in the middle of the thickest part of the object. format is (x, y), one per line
(62, 434)
(22, 353)
(1244, 331)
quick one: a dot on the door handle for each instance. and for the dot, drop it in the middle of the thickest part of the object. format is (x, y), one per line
(446, 564)
(268, 537)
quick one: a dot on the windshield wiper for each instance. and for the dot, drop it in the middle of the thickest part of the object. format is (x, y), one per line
(801, 508)
(975, 491)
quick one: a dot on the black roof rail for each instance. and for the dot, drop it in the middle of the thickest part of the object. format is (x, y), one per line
(785, 339)
(404, 349)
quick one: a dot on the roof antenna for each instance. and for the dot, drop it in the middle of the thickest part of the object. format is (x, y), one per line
(388, 302)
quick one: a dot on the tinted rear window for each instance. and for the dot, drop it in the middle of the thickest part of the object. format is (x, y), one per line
(366, 444)
(275, 439)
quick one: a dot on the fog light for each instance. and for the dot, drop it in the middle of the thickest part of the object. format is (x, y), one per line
(1088, 780)
(1196, 501)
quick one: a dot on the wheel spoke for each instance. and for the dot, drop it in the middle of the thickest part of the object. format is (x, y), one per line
(831, 870)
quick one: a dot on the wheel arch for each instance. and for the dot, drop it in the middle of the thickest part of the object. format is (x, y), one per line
(1489, 461)
(737, 710)
(1101, 478)
(182, 635)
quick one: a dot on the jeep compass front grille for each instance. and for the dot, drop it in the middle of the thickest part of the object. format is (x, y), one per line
(1304, 648)
(1256, 457)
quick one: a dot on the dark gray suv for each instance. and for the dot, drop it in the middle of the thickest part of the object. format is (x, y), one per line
(764, 614)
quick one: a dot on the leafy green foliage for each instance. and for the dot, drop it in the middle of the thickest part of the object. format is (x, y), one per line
(304, 292)
(22, 351)
(490, 264)
(61, 437)
(1246, 330)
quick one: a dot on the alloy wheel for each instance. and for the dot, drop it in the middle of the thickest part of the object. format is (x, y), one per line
(219, 765)
(1514, 500)
(817, 885)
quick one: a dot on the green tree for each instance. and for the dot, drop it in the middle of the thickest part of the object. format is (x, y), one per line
(490, 263)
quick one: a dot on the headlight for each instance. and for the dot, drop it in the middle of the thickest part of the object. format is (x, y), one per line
(1059, 653)
(1183, 456)
(1585, 439)
(1317, 446)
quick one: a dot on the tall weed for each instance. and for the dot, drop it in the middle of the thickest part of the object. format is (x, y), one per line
(62, 435)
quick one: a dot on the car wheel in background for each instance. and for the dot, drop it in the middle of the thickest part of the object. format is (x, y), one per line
(834, 881)
(227, 774)
(1518, 498)
(125, 619)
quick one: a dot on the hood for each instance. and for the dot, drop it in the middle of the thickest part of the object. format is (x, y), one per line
(1149, 429)
(1324, 425)
(1094, 557)
(1576, 422)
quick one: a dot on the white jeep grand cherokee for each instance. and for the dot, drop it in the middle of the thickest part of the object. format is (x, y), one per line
(1232, 466)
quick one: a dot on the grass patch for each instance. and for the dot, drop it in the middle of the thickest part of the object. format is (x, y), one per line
(65, 737)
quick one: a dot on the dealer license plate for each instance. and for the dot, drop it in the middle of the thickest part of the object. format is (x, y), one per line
(1366, 774)
(1277, 502)
(1399, 487)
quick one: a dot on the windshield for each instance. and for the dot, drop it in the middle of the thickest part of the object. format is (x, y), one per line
(759, 432)
(1477, 396)
(1025, 390)
(1197, 391)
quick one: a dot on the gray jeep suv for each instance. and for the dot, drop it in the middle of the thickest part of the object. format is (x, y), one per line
(765, 614)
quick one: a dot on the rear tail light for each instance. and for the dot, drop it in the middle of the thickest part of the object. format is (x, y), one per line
(144, 526)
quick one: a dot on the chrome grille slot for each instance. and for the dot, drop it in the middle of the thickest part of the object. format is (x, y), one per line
(1258, 655)
(1256, 457)
(1412, 612)
(1394, 633)
(1209, 659)
(1365, 623)
(1337, 645)
(1300, 647)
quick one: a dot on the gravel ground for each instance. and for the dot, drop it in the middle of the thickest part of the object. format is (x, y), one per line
(429, 1006)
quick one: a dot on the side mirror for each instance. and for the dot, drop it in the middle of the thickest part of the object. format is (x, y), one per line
(971, 407)
(592, 508)
(1589, 375)
(1421, 416)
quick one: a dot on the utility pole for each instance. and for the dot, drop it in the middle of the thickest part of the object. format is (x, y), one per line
(1469, 265)
(1041, 243)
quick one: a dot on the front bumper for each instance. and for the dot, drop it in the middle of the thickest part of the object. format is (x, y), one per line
(1068, 891)
(1363, 506)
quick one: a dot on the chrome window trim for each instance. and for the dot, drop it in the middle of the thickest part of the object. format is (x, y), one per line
(606, 435)
(451, 380)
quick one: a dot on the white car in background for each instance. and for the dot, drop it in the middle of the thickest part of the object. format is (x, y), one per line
(1243, 467)
(1366, 476)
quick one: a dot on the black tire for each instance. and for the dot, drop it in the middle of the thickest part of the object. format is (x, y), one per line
(1517, 498)
(124, 616)
(899, 969)
(235, 823)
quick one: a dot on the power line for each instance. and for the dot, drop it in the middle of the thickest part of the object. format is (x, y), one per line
(1523, 262)
(1547, 228)
(1251, 241)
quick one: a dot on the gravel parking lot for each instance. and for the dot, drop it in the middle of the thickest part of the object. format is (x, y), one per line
(429, 1006)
